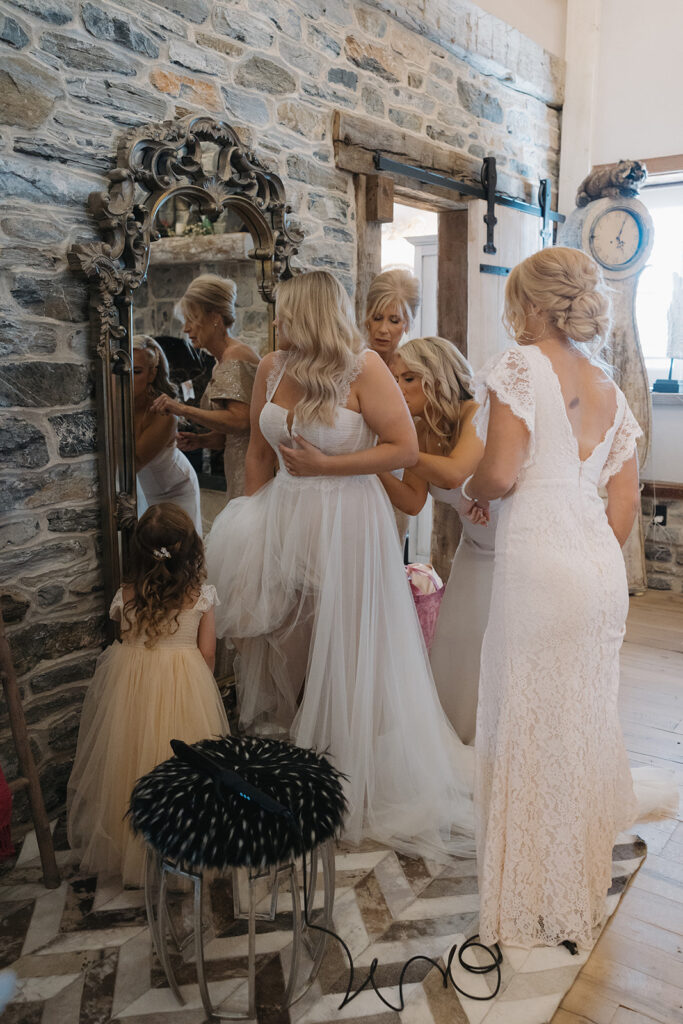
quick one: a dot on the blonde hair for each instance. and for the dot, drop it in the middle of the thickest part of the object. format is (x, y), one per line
(567, 286)
(393, 287)
(317, 318)
(210, 293)
(162, 384)
(446, 378)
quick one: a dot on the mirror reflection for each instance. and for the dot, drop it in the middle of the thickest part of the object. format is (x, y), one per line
(200, 327)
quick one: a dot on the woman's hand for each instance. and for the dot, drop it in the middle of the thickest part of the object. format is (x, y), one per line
(190, 442)
(306, 460)
(477, 512)
(168, 406)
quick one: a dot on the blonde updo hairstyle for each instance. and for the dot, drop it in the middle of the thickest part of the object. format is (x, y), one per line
(446, 378)
(207, 294)
(315, 315)
(393, 288)
(161, 384)
(565, 285)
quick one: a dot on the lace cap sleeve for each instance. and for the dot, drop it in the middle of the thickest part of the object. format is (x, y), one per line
(623, 443)
(208, 598)
(116, 607)
(508, 375)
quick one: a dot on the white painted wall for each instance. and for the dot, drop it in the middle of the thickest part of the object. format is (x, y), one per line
(540, 20)
(665, 462)
(640, 81)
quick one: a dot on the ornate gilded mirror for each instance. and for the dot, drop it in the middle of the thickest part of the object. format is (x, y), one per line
(185, 198)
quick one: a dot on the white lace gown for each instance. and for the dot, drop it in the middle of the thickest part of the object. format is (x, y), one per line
(553, 787)
(312, 585)
(455, 655)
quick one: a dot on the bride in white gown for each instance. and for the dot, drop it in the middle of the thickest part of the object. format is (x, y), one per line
(553, 787)
(312, 587)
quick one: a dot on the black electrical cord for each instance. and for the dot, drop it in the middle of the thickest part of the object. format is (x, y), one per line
(227, 779)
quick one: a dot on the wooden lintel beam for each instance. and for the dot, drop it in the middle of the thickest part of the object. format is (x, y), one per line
(356, 139)
(379, 198)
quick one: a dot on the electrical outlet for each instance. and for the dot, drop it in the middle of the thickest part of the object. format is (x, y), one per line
(660, 514)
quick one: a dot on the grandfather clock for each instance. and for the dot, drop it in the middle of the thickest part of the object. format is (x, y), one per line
(617, 232)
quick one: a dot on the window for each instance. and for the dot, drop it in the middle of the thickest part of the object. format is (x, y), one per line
(655, 289)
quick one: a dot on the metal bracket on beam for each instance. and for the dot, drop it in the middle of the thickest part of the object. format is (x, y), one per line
(489, 268)
(544, 196)
(486, 191)
(489, 178)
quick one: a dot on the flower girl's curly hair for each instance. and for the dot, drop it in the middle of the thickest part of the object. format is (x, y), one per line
(168, 569)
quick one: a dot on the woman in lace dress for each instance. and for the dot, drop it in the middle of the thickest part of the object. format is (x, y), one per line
(208, 306)
(436, 382)
(309, 573)
(553, 787)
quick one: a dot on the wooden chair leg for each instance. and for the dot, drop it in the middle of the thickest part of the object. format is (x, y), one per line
(28, 778)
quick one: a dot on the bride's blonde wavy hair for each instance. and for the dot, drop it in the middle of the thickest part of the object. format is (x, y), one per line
(565, 285)
(446, 379)
(316, 316)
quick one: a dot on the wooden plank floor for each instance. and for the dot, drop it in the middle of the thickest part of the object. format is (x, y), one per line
(635, 973)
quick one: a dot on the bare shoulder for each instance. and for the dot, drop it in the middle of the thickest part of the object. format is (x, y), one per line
(467, 410)
(372, 368)
(244, 353)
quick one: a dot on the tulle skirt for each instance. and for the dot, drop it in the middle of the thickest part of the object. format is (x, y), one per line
(138, 701)
(314, 594)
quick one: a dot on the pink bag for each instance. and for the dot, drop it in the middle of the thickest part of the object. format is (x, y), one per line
(427, 589)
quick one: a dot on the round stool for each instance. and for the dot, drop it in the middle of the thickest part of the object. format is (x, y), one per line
(239, 803)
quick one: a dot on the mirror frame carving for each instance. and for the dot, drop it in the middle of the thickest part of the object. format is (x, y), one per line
(155, 162)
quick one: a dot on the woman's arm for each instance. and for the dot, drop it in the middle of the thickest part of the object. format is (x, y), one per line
(623, 499)
(409, 494)
(206, 638)
(450, 470)
(189, 442)
(260, 460)
(384, 410)
(158, 435)
(234, 417)
(506, 444)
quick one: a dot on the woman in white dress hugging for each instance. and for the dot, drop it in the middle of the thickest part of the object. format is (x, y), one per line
(308, 570)
(553, 787)
(436, 382)
(163, 472)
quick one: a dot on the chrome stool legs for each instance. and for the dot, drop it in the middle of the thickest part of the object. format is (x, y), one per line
(159, 870)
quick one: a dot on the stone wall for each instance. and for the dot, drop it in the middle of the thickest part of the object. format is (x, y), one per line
(664, 544)
(74, 75)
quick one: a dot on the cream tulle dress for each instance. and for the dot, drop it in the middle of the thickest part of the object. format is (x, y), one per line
(140, 698)
(311, 581)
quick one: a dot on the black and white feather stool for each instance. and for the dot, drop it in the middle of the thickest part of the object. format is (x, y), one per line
(240, 802)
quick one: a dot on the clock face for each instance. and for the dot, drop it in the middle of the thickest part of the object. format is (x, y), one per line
(616, 238)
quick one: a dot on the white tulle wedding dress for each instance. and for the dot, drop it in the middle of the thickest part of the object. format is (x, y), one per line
(313, 589)
(553, 786)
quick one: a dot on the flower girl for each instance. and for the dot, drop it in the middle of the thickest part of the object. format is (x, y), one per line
(153, 686)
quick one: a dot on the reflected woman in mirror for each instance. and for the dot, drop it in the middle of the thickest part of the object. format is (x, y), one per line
(208, 307)
(436, 382)
(392, 302)
(309, 565)
(163, 472)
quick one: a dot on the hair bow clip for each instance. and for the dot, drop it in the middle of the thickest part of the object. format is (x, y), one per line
(161, 553)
